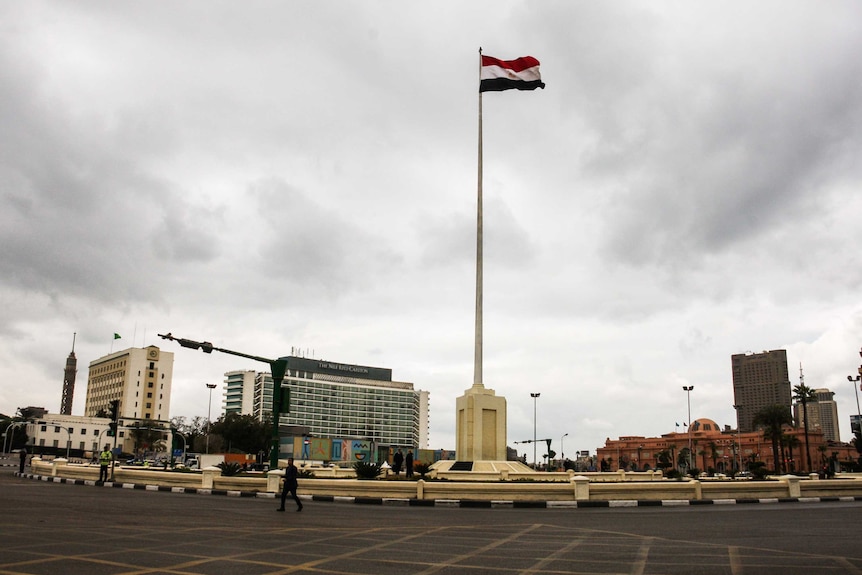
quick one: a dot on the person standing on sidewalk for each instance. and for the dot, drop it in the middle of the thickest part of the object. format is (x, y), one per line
(22, 453)
(105, 458)
(290, 485)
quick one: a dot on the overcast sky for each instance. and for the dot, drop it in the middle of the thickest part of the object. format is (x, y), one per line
(277, 176)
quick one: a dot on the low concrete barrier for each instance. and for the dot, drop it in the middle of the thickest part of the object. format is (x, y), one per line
(577, 488)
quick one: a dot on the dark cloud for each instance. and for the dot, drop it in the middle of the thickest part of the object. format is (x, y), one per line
(305, 174)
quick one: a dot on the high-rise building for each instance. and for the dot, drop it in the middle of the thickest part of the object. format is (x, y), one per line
(334, 400)
(759, 380)
(828, 412)
(239, 392)
(813, 416)
(140, 378)
(69, 375)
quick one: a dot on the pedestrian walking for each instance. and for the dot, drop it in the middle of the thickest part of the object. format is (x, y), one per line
(290, 485)
(22, 453)
(408, 463)
(105, 458)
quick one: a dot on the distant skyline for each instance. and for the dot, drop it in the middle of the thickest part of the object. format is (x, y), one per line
(284, 174)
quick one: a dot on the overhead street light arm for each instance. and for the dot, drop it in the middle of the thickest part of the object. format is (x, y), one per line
(277, 369)
(207, 347)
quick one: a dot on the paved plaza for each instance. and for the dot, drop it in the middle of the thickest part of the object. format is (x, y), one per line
(54, 528)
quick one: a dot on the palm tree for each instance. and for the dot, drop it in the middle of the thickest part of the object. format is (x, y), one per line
(790, 441)
(771, 418)
(713, 448)
(803, 394)
(663, 459)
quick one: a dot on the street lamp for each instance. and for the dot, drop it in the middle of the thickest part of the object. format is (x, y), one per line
(562, 453)
(211, 387)
(535, 396)
(687, 389)
(738, 409)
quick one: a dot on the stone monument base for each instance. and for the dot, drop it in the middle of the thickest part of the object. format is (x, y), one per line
(482, 466)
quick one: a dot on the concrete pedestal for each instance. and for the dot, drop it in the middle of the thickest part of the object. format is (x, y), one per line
(481, 425)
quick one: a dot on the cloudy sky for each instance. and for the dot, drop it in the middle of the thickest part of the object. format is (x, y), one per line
(277, 176)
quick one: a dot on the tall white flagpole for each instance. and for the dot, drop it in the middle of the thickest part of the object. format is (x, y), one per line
(477, 358)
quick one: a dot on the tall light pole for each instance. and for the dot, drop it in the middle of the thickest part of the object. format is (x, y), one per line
(562, 453)
(687, 389)
(738, 409)
(211, 387)
(535, 396)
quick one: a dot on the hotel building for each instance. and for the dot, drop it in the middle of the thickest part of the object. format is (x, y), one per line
(335, 400)
(759, 380)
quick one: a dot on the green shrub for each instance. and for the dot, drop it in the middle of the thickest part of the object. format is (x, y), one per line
(229, 469)
(673, 474)
(422, 469)
(306, 473)
(365, 470)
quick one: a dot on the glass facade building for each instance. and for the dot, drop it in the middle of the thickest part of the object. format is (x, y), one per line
(333, 400)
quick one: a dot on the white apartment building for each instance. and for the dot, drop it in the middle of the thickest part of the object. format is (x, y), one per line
(71, 432)
(140, 378)
(239, 392)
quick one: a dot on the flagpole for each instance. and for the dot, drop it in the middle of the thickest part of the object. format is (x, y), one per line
(477, 357)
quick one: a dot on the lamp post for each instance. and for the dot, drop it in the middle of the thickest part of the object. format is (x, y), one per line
(211, 387)
(535, 396)
(687, 389)
(562, 453)
(738, 409)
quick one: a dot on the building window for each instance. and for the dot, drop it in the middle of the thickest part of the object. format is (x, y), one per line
(83, 431)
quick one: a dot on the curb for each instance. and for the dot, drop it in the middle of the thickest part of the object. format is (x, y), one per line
(458, 503)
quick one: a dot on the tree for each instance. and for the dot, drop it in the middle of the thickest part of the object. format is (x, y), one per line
(244, 433)
(713, 450)
(147, 434)
(804, 394)
(771, 419)
(790, 441)
(193, 430)
(663, 459)
(18, 437)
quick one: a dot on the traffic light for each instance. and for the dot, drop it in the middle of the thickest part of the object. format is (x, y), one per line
(114, 415)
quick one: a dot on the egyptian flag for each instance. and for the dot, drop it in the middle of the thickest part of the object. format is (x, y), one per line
(498, 75)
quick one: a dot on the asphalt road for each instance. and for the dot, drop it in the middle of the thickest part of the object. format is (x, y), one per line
(52, 528)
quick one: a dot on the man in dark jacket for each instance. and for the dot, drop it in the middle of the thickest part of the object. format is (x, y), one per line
(290, 485)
